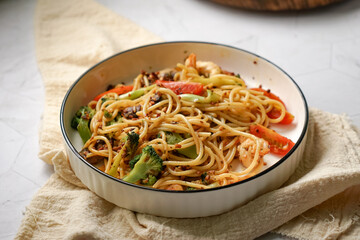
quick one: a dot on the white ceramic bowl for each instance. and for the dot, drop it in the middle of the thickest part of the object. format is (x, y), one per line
(123, 67)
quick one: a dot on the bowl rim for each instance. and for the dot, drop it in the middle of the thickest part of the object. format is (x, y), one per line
(256, 176)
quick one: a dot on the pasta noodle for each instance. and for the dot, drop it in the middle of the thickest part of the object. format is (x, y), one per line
(209, 112)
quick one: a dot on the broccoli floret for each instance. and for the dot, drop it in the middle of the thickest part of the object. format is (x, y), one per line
(130, 143)
(134, 161)
(81, 122)
(107, 114)
(104, 99)
(174, 138)
(117, 119)
(147, 168)
(203, 178)
(151, 180)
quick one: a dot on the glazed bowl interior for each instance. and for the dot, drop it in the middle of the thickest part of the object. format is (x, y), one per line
(124, 67)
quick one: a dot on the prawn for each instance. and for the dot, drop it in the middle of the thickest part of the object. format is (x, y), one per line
(191, 61)
(247, 150)
(208, 69)
(204, 68)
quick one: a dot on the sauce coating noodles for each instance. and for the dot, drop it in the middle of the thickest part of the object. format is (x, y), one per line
(195, 116)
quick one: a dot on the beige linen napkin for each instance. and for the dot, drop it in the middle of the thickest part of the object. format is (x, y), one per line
(73, 35)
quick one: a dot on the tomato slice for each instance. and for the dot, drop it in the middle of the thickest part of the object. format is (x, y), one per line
(268, 94)
(119, 90)
(275, 113)
(279, 144)
(180, 87)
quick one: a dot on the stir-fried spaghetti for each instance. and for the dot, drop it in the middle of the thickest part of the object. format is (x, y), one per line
(200, 119)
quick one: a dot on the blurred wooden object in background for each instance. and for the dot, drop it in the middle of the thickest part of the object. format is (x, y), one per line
(276, 5)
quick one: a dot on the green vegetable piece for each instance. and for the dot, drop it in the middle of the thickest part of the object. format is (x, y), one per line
(174, 138)
(134, 161)
(130, 143)
(107, 114)
(151, 180)
(104, 99)
(136, 93)
(211, 97)
(203, 178)
(81, 122)
(146, 168)
(117, 119)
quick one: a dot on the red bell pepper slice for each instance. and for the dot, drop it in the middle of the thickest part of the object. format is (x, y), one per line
(275, 113)
(181, 87)
(118, 90)
(268, 94)
(279, 144)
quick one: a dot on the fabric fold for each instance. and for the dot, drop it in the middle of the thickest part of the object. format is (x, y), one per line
(72, 36)
(316, 181)
(319, 201)
(336, 218)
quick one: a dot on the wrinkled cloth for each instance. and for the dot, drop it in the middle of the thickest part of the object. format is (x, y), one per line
(321, 199)
(70, 37)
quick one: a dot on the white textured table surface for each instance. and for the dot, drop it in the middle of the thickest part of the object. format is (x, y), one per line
(320, 49)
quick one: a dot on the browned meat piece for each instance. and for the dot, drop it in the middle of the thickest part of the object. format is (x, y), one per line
(155, 98)
(92, 160)
(152, 77)
(130, 112)
(167, 74)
